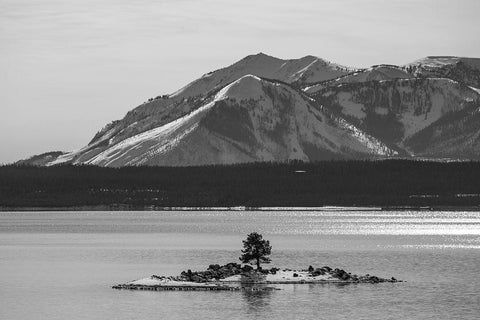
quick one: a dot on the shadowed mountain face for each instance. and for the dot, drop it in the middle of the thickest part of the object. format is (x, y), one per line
(396, 110)
(456, 135)
(267, 109)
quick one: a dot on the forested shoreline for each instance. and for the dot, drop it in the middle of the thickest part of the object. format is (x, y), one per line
(388, 183)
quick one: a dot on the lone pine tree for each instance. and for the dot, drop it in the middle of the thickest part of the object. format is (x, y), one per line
(256, 249)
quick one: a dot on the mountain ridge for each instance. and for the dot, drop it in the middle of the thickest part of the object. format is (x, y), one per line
(295, 109)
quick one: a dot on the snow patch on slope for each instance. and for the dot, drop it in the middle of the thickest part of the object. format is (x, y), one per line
(146, 145)
(374, 145)
(420, 102)
(297, 75)
(475, 89)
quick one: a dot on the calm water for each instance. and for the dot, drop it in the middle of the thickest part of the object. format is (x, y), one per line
(61, 265)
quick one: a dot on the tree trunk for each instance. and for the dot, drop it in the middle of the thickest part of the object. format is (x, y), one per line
(258, 263)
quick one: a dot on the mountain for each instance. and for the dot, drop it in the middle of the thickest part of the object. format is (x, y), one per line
(164, 109)
(41, 159)
(375, 73)
(262, 108)
(464, 70)
(396, 110)
(454, 136)
(248, 120)
(304, 70)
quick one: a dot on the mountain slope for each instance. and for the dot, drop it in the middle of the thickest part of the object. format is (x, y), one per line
(306, 69)
(263, 108)
(249, 120)
(454, 136)
(395, 110)
(375, 73)
(463, 70)
(166, 108)
(40, 159)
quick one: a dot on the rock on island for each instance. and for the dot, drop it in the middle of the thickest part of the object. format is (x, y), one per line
(232, 277)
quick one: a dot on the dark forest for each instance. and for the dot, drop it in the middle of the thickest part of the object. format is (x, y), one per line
(389, 183)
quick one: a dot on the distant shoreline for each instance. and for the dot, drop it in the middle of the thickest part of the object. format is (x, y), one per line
(239, 208)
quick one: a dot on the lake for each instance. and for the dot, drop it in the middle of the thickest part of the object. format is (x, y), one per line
(61, 265)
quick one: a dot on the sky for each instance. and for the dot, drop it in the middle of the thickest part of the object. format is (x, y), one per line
(68, 67)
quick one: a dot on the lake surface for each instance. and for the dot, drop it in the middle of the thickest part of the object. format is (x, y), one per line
(61, 265)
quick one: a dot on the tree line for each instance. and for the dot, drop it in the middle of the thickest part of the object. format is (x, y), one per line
(325, 183)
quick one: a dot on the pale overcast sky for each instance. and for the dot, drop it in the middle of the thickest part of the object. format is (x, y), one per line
(68, 67)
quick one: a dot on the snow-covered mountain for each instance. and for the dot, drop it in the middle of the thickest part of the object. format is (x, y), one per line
(263, 108)
(395, 110)
(166, 108)
(248, 120)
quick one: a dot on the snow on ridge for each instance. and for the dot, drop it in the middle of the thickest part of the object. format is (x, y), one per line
(339, 81)
(63, 158)
(377, 147)
(371, 143)
(117, 151)
(475, 89)
(161, 148)
(297, 75)
(169, 135)
(243, 88)
(70, 156)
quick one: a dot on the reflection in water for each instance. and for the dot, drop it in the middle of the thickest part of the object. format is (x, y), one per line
(257, 302)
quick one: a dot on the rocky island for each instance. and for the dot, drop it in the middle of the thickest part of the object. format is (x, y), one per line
(233, 276)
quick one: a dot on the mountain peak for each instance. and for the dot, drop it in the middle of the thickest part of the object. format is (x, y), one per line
(247, 87)
(258, 56)
(257, 60)
(307, 69)
(261, 54)
(248, 112)
(309, 57)
(441, 57)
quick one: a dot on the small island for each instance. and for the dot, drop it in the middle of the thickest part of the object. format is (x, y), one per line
(235, 277)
